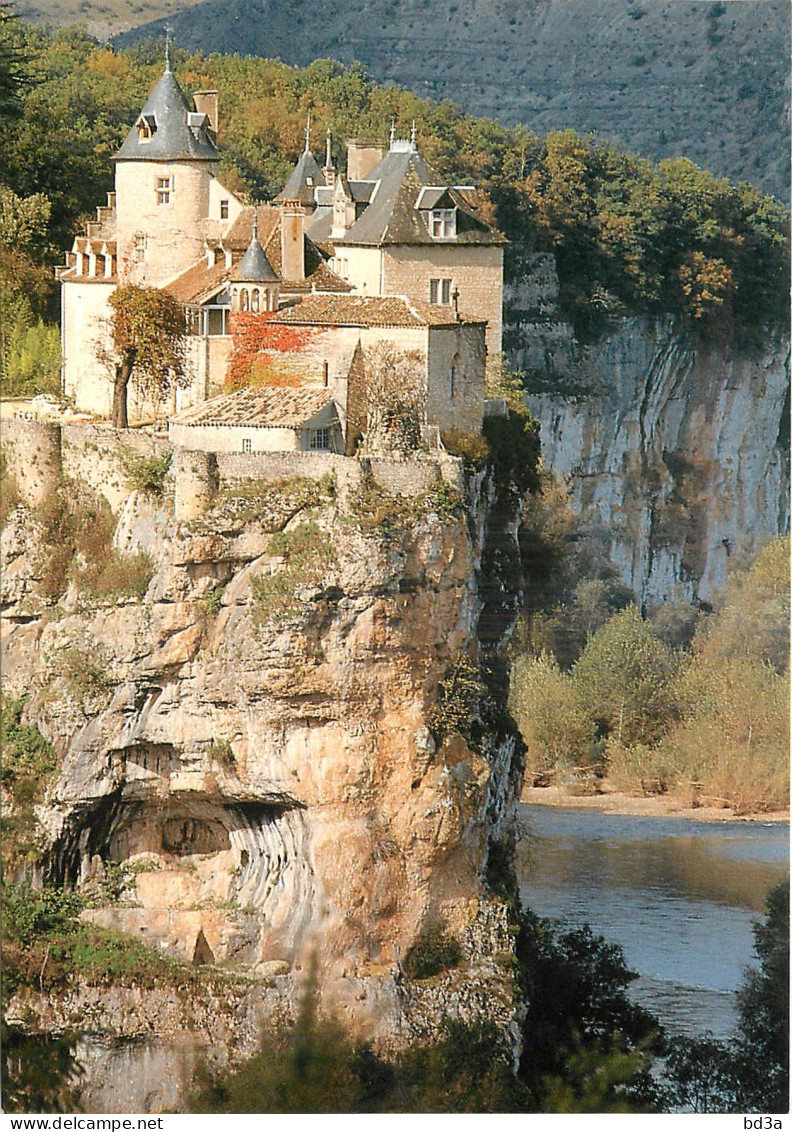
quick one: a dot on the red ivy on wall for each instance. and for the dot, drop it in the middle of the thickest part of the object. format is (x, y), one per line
(259, 345)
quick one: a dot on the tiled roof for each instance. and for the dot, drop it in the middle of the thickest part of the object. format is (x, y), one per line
(366, 310)
(259, 407)
(317, 274)
(199, 282)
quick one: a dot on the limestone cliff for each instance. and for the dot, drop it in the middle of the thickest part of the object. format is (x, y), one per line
(269, 746)
(677, 455)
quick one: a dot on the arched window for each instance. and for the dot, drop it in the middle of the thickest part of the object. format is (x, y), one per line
(254, 299)
(245, 299)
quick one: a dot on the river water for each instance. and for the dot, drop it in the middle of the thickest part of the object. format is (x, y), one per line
(679, 896)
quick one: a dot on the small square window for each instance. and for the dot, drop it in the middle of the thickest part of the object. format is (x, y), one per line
(247, 444)
(443, 223)
(164, 189)
(319, 440)
(224, 210)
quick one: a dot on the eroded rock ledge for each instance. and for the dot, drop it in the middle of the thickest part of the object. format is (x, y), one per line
(266, 753)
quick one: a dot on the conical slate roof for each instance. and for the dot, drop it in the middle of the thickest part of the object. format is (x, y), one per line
(304, 178)
(174, 137)
(254, 267)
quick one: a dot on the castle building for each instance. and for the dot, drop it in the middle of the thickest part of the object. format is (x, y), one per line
(383, 252)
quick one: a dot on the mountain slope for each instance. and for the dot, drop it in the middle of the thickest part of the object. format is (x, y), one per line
(705, 79)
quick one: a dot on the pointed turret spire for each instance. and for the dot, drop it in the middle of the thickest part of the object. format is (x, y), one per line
(392, 132)
(308, 134)
(168, 34)
(329, 150)
(254, 267)
(166, 129)
(413, 133)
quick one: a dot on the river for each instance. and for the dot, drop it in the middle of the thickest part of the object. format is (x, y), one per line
(680, 896)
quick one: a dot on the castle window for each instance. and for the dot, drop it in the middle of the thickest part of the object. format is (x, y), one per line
(443, 223)
(247, 444)
(440, 292)
(254, 299)
(452, 383)
(244, 299)
(319, 440)
(146, 127)
(139, 247)
(224, 210)
(215, 321)
(164, 189)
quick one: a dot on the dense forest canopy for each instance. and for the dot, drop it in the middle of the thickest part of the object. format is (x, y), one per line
(629, 236)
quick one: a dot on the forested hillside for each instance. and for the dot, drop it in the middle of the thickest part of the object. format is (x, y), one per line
(629, 236)
(666, 78)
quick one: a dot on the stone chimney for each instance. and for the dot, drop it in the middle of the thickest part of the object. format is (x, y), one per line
(362, 156)
(206, 103)
(292, 241)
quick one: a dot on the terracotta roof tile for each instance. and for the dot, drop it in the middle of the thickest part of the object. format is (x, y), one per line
(366, 310)
(198, 282)
(259, 407)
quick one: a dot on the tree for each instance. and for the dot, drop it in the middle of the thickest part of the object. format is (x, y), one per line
(395, 399)
(623, 678)
(763, 1041)
(148, 328)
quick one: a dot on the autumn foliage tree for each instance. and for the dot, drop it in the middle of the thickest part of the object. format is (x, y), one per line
(148, 330)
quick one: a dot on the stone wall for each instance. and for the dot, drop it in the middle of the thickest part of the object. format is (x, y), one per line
(477, 272)
(172, 231)
(32, 450)
(40, 452)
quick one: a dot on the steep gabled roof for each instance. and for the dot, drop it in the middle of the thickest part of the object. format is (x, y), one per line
(177, 132)
(392, 216)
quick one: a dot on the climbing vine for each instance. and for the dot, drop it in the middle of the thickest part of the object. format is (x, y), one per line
(259, 347)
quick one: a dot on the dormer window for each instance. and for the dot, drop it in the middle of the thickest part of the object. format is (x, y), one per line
(146, 127)
(164, 189)
(442, 223)
(224, 210)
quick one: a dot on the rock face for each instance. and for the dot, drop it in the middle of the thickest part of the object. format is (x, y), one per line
(677, 457)
(256, 743)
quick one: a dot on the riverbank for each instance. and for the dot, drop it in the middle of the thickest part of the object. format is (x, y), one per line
(612, 801)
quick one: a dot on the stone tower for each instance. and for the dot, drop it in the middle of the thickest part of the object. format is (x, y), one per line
(164, 174)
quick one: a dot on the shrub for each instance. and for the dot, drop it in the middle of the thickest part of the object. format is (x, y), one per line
(84, 665)
(28, 760)
(77, 529)
(274, 503)
(433, 952)
(10, 497)
(146, 473)
(460, 697)
(470, 446)
(556, 730)
(733, 738)
(376, 511)
(119, 575)
(309, 557)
